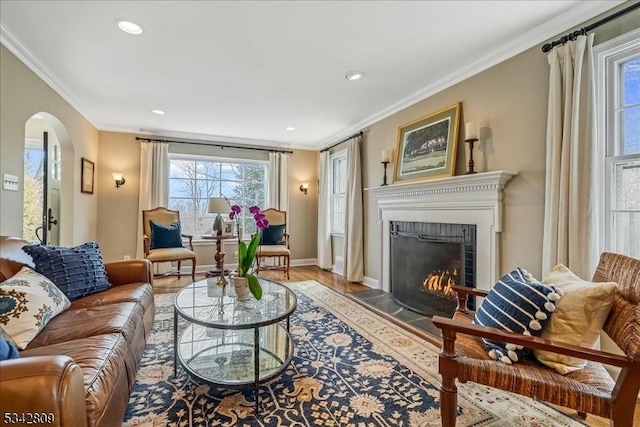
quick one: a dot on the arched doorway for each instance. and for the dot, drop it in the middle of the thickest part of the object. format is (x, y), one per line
(48, 173)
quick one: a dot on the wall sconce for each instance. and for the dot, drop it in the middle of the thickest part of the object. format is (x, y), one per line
(304, 187)
(118, 178)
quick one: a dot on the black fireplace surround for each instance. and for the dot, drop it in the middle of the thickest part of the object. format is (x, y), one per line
(426, 259)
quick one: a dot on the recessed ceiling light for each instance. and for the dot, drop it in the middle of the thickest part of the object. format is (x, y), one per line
(354, 75)
(158, 112)
(129, 27)
(290, 128)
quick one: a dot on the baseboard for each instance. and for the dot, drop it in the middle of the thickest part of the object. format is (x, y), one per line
(304, 261)
(371, 282)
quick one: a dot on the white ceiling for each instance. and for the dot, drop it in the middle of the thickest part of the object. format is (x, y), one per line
(243, 71)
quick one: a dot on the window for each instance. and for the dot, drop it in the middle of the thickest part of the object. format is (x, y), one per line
(338, 191)
(618, 97)
(192, 180)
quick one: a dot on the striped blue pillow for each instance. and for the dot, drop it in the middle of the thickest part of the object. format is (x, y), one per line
(77, 271)
(517, 303)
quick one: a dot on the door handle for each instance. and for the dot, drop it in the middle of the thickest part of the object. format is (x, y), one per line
(50, 219)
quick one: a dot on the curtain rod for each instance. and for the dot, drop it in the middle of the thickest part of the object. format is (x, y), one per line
(271, 150)
(584, 30)
(340, 142)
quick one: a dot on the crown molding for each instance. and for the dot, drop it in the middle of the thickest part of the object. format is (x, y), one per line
(201, 137)
(13, 44)
(580, 13)
(575, 16)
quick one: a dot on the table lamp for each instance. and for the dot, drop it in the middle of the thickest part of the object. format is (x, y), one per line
(218, 205)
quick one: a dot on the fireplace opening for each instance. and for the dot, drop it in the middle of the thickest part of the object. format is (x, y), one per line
(427, 259)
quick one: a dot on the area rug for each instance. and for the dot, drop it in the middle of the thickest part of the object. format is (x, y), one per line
(350, 368)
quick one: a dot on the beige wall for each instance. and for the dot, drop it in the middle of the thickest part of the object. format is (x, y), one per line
(118, 208)
(509, 101)
(23, 94)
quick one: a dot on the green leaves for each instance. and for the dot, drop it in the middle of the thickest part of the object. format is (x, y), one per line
(246, 256)
(254, 286)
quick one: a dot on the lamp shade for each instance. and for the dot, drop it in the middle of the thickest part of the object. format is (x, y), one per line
(218, 205)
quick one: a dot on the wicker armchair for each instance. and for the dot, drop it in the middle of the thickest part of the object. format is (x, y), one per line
(589, 390)
(166, 216)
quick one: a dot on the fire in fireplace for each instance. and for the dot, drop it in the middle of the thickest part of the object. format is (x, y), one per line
(427, 262)
(440, 282)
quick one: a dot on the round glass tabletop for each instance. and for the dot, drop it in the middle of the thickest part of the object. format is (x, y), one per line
(208, 304)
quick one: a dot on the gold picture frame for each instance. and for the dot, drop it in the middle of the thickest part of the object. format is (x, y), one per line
(426, 147)
(87, 176)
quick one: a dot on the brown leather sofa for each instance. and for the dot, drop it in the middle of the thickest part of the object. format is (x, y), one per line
(81, 367)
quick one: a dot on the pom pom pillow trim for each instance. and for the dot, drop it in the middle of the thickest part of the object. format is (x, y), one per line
(517, 303)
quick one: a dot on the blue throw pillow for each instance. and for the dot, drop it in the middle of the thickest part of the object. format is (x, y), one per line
(165, 236)
(77, 271)
(7, 349)
(273, 235)
(517, 303)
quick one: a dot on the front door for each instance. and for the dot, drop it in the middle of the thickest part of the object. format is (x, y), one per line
(51, 196)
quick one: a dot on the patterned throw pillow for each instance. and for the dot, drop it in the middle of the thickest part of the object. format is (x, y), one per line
(165, 236)
(517, 303)
(77, 271)
(28, 301)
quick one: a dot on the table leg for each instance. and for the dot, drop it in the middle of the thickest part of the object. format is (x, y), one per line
(175, 342)
(256, 366)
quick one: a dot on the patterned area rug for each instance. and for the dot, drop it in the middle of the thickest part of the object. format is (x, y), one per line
(351, 368)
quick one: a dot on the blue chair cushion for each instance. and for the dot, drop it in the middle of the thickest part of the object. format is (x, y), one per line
(77, 271)
(165, 236)
(517, 303)
(273, 235)
(7, 349)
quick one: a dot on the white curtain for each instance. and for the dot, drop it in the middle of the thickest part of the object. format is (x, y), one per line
(571, 208)
(324, 212)
(154, 182)
(279, 181)
(353, 230)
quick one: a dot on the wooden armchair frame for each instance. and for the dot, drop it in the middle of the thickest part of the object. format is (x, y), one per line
(282, 253)
(166, 217)
(619, 405)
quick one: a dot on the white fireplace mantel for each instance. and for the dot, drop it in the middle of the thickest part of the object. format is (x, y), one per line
(466, 199)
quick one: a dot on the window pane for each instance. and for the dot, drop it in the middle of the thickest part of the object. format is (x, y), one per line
(631, 78)
(194, 181)
(631, 130)
(626, 232)
(627, 185)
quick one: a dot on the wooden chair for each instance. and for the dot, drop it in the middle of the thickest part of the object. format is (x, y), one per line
(589, 390)
(281, 253)
(166, 217)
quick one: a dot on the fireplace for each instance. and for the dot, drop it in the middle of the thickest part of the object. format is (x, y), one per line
(474, 199)
(427, 259)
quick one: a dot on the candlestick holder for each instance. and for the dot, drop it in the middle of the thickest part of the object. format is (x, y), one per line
(384, 179)
(470, 169)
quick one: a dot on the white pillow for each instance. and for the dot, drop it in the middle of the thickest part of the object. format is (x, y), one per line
(28, 301)
(578, 318)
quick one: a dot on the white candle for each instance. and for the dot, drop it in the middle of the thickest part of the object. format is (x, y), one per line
(470, 131)
(385, 156)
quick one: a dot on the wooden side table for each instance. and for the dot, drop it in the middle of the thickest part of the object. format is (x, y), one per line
(219, 269)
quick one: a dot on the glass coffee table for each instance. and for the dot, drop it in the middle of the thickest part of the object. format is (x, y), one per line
(229, 342)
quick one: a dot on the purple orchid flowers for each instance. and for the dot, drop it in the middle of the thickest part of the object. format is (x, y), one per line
(258, 216)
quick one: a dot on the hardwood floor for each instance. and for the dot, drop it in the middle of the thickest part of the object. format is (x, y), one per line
(337, 283)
